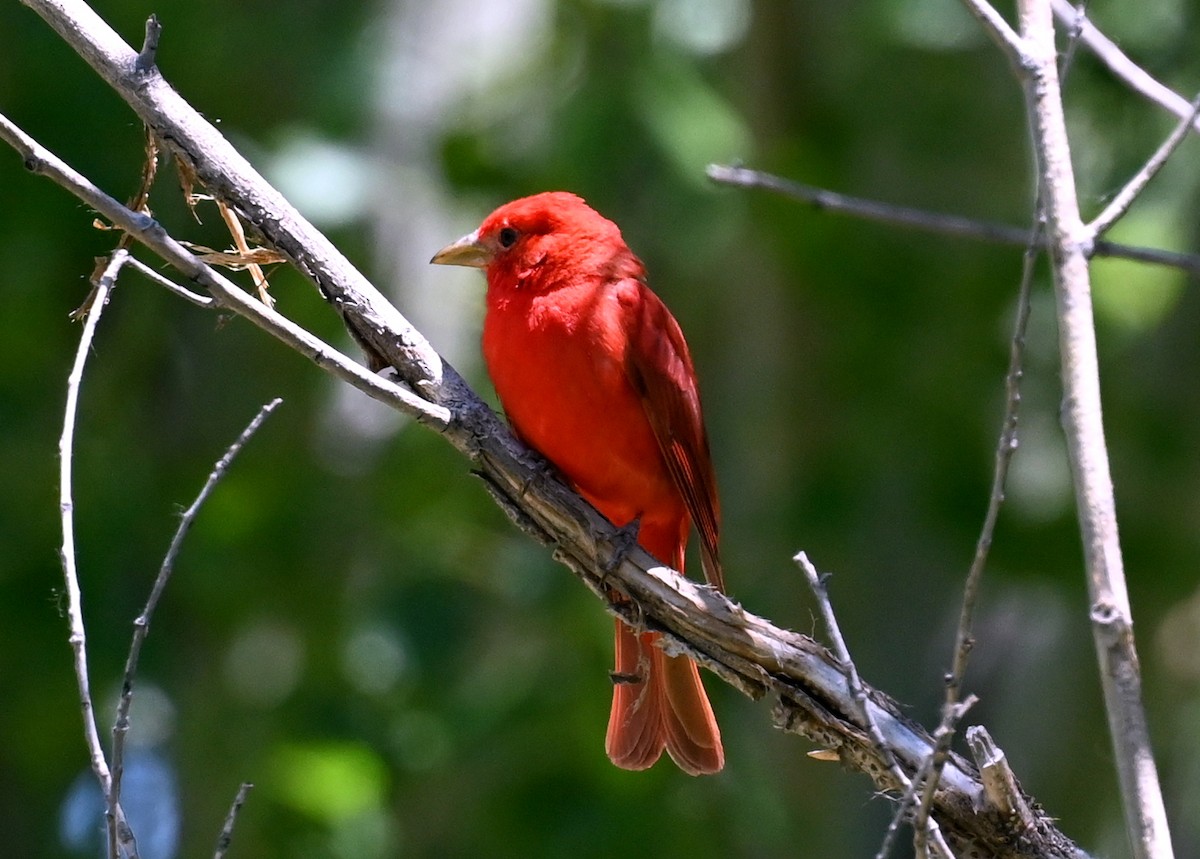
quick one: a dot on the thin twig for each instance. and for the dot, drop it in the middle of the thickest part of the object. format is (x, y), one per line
(817, 582)
(242, 248)
(745, 650)
(909, 797)
(1001, 32)
(145, 229)
(226, 836)
(952, 713)
(1074, 31)
(1125, 69)
(1006, 447)
(941, 738)
(148, 55)
(964, 640)
(821, 592)
(141, 625)
(165, 282)
(934, 222)
(1124, 199)
(119, 832)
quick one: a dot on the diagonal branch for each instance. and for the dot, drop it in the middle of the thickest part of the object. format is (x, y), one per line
(1005, 448)
(226, 836)
(810, 685)
(227, 294)
(1125, 69)
(1120, 204)
(1000, 31)
(377, 325)
(141, 625)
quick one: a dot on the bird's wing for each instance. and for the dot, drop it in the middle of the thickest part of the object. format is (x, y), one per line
(660, 370)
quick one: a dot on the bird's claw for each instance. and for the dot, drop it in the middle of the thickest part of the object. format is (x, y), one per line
(620, 678)
(623, 542)
(539, 469)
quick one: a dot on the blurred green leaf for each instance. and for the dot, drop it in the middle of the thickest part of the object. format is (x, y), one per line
(329, 781)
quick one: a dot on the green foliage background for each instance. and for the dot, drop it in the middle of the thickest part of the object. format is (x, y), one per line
(353, 626)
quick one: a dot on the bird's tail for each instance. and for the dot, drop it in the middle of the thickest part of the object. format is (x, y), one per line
(659, 702)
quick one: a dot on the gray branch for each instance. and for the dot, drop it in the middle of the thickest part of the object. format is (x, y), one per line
(141, 624)
(1112, 620)
(811, 687)
(1122, 67)
(119, 834)
(933, 222)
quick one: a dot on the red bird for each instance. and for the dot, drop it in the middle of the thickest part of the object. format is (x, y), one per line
(593, 372)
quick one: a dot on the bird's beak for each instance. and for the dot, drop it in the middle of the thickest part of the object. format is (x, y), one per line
(466, 251)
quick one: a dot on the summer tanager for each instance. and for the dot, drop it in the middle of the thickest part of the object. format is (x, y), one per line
(593, 372)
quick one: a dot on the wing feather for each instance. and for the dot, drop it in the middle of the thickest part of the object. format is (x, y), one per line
(661, 371)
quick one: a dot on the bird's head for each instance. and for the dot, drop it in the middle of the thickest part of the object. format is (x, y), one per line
(538, 242)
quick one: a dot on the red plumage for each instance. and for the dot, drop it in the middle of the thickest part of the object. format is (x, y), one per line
(594, 373)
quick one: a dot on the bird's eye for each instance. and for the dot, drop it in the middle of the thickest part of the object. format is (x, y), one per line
(508, 237)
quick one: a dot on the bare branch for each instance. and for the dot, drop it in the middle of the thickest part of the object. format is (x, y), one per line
(1005, 37)
(1124, 199)
(165, 282)
(999, 784)
(141, 625)
(1145, 815)
(1125, 69)
(933, 222)
(379, 328)
(964, 640)
(817, 583)
(150, 233)
(226, 836)
(809, 683)
(119, 832)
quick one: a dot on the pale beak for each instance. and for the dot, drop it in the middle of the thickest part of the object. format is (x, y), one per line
(466, 251)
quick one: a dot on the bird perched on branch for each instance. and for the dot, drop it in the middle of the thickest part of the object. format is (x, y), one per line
(593, 372)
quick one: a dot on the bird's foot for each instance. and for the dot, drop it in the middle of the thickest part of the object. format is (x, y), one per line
(619, 678)
(623, 542)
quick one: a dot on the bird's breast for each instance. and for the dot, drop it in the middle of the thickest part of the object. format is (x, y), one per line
(558, 363)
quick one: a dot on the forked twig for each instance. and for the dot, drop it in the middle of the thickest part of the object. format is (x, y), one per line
(1112, 624)
(40, 160)
(1006, 447)
(141, 625)
(1119, 63)
(817, 583)
(933, 222)
(1124, 198)
(745, 650)
(119, 834)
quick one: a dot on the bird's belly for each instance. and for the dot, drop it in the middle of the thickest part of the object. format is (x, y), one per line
(576, 406)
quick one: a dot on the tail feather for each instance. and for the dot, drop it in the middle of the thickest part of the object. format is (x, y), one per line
(659, 703)
(693, 738)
